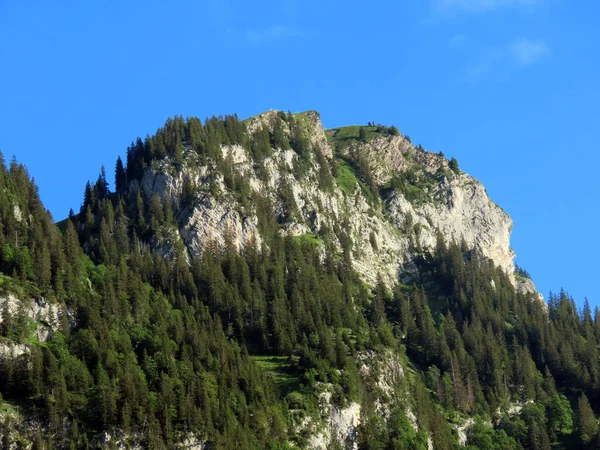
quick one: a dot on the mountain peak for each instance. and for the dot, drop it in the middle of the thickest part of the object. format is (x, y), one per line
(366, 185)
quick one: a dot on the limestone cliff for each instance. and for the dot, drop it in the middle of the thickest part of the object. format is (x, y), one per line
(386, 234)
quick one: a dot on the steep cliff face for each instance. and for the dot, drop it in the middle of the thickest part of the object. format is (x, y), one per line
(460, 210)
(421, 199)
(444, 202)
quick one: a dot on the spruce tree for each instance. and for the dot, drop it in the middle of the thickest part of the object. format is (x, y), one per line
(120, 176)
(454, 165)
(586, 421)
(362, 134)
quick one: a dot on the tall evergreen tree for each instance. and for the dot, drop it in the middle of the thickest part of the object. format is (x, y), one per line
(120, 176)
(586, 421)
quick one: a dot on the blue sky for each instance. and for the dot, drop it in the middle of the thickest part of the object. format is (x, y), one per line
(511, 88)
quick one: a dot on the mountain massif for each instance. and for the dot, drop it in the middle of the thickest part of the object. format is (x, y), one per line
(268, 283)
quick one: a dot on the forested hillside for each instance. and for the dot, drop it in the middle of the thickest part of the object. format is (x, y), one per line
(142, 321)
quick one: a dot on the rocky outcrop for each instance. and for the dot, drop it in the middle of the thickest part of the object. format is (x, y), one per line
(460, 210)
(384, 377)
(167, 182)
(450, 203)
(385, 239)
(46, 316)
(462, 430)
(394, 154)
(11, 350)
(386, 374)
(336, 424)
(214, 223)
(315, 131)
(526, 285)
(309, 122)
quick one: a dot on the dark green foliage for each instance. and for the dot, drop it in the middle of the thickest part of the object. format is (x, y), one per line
(120, 176)
(521, 272)
(483, 436)
(587, 423)
(102, 190)
(261, 145)
(146, 354)
(289, 202)
(177, 137)
(362, 134)
(31, 247)
(413, 183)
(279, 138)
(453, 164)
(161, 346)
(490, 343)
(559, 414)
(342, 136)
(325, 176)
(397, 434)
(364, 172)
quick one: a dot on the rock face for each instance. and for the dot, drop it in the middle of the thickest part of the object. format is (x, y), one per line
(214, 223)
(10, 350)
(46, 316)
(119, 440)
(386, 372)
(526, 285)
(461, 211)
(452, 204)
(338, 425)
(385, 237)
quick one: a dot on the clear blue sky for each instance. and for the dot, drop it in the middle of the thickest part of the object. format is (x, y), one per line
(511, 88)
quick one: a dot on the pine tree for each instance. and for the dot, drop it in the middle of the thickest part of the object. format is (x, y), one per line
(279, 139)
(140, 221)
(120, 176)
(586, 421)
(102, 185)
(454, 165)
(362, 134)
(43, 266)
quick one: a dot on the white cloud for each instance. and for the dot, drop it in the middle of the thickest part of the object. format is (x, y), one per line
(518, 54)
(527, 51)
(475, 6)
(275, 32)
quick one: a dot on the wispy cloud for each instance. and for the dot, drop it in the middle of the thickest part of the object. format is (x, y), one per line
(527, 51)
(477, 6)
(272, 33)
(518, 54)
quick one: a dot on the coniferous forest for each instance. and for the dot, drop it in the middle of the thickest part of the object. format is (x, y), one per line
(233, 347)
